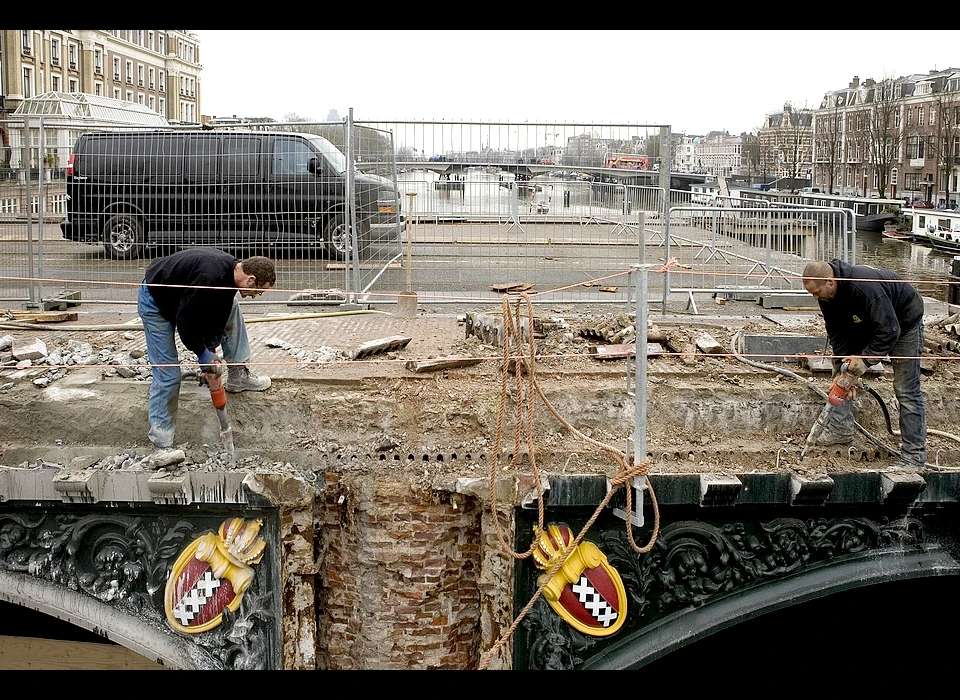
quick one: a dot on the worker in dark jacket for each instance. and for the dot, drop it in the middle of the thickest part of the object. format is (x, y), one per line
(194, 292)
(871, 313)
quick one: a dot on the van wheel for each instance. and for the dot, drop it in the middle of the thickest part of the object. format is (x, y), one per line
(123, 236)
(337, 235)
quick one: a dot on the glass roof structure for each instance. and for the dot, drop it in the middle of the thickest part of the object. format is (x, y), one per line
(82, 107)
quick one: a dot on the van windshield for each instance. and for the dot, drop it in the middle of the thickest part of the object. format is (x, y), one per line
(331, 153)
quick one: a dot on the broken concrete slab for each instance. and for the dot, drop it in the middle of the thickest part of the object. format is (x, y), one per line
(620, 351)
(707, 344)
(441, 363)
(34, 351)
(788, 300)
(380, 345)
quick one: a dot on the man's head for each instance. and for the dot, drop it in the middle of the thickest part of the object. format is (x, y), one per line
(254, 275)
(819, 280)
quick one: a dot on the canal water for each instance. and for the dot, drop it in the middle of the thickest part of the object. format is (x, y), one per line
(927, 269)
(486, 194)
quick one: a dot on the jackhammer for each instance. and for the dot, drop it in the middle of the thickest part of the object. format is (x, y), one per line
(218, 395)
(843, 388)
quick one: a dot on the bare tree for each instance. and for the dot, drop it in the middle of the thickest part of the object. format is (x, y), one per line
(946, 136)
(886, 136)
(750, 153)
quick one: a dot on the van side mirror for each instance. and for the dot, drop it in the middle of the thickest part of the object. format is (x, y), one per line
(313, 165)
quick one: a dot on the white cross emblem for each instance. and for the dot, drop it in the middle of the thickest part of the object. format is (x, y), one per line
(594, 602)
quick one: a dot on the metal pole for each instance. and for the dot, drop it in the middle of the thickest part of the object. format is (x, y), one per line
(410, 196)
(27, 196)
(353, 260)
(665, 208)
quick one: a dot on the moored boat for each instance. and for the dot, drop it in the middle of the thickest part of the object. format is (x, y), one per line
(938, 229)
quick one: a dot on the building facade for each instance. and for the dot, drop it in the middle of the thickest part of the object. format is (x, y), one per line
(786, 143)
(718, 153)
(157, 68)
(897, 138)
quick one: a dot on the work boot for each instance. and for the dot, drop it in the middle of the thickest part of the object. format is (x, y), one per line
(164, 457)
(908, 465)
(240, 379)
(829, 437)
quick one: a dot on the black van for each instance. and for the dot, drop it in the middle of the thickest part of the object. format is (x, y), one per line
(232, 189)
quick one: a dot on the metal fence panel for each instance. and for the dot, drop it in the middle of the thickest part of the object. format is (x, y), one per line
(487, 207)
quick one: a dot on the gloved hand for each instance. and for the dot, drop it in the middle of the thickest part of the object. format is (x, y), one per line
(855, 366)
(209, 362)
(216, 368)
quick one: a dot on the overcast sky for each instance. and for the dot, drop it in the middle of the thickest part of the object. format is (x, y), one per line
(694, 81)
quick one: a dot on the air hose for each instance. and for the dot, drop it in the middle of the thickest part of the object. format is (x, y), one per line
(817, 390)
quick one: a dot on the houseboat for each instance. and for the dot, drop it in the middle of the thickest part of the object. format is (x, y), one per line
(872, 213)
(936, 228)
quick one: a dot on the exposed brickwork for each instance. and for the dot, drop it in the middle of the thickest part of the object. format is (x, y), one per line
(398, 583)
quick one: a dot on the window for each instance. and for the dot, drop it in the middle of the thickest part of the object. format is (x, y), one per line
(116, 94)
(933, 115)
(129, 74)
(129, 96)
(74, 85)
(920, 114)
(896, 119)
(291, 157)
(72, 55)
(55, 52)
(152, 103)
(140, 74)
(911, 182)
(98, 61)
(27, 82)
(55, 83)
(151, 44)
(914, 148)
(241, 157)
(98, 89)
(160, 42)
(140, 98)
(152, 72)
(116, 69)
(162, 86)
(26, 42)
(162, 106)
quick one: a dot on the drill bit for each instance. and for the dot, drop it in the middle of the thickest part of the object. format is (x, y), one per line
(817, 428)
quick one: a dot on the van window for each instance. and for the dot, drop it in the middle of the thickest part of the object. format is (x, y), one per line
(240, 157)
(200, 165)
(291, 157)
(118, 158)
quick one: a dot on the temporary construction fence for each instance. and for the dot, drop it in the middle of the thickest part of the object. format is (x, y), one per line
(478, 209)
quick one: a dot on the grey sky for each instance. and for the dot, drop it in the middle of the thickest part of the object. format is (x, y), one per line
(695, 81)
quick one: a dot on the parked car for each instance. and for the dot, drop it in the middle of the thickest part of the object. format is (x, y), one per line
(920, 204)
(232, 189)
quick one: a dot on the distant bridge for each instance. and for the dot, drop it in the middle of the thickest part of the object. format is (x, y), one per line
(679, 181)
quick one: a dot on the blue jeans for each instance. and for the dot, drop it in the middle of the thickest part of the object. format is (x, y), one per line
(164, 395)
(906, 385)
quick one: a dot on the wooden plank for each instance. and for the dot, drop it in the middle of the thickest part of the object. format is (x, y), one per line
(34, 653)
(39, 316)
(511, 287)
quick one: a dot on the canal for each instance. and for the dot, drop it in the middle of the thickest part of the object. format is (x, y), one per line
(926, 268)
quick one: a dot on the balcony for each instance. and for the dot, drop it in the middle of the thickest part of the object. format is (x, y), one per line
(98, 70)
(73, 65)
(27, 51)
(54, 60)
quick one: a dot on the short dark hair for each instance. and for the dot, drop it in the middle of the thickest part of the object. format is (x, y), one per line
(262, 268)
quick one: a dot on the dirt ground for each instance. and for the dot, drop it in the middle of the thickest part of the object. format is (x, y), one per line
(709, 410)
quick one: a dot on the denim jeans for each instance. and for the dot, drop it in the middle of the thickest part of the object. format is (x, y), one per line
(906, 386)
(164, 394)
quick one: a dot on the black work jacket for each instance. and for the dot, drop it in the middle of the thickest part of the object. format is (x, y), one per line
(872, 308)
(199, 311)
